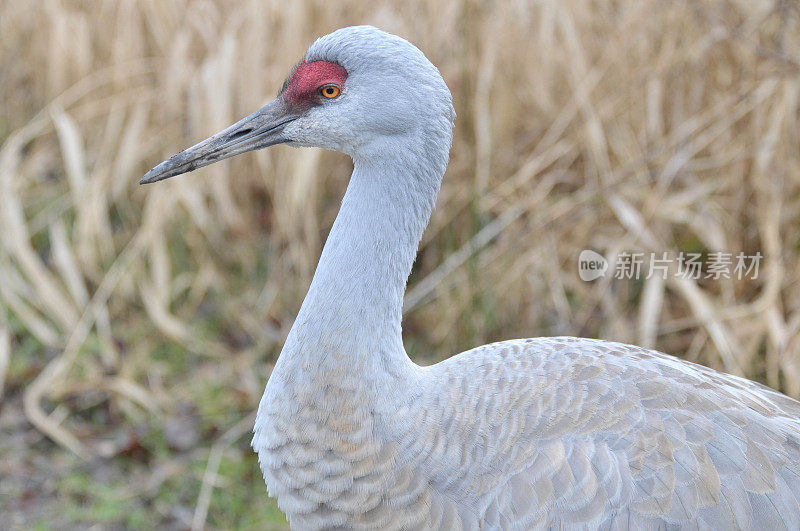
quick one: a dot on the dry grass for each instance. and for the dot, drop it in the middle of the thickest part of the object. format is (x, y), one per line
(647, 125)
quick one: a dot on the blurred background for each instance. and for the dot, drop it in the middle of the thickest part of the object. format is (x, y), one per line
(138, 325)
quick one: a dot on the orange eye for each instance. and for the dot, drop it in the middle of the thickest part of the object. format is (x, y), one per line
(330, 91)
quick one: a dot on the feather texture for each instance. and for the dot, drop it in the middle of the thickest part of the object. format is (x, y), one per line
(551, 432)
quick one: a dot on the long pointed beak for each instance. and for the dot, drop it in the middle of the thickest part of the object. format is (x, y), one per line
(261, 129)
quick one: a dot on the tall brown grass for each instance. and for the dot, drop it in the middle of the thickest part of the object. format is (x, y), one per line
(640, 125)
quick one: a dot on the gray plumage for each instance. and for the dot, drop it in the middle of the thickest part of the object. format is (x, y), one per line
(536, 433)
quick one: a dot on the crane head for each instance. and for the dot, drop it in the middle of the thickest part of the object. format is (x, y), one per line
(357, 90)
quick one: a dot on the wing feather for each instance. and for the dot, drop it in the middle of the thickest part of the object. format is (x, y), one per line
(561, 431)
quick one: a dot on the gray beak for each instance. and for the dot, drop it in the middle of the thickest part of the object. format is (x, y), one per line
(261, 129)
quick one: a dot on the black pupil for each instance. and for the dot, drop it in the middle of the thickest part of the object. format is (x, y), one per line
(329, 91)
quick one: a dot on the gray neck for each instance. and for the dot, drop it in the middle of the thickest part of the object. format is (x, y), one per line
(354, 305)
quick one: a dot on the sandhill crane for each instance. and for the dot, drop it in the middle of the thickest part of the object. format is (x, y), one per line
(521, 434)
